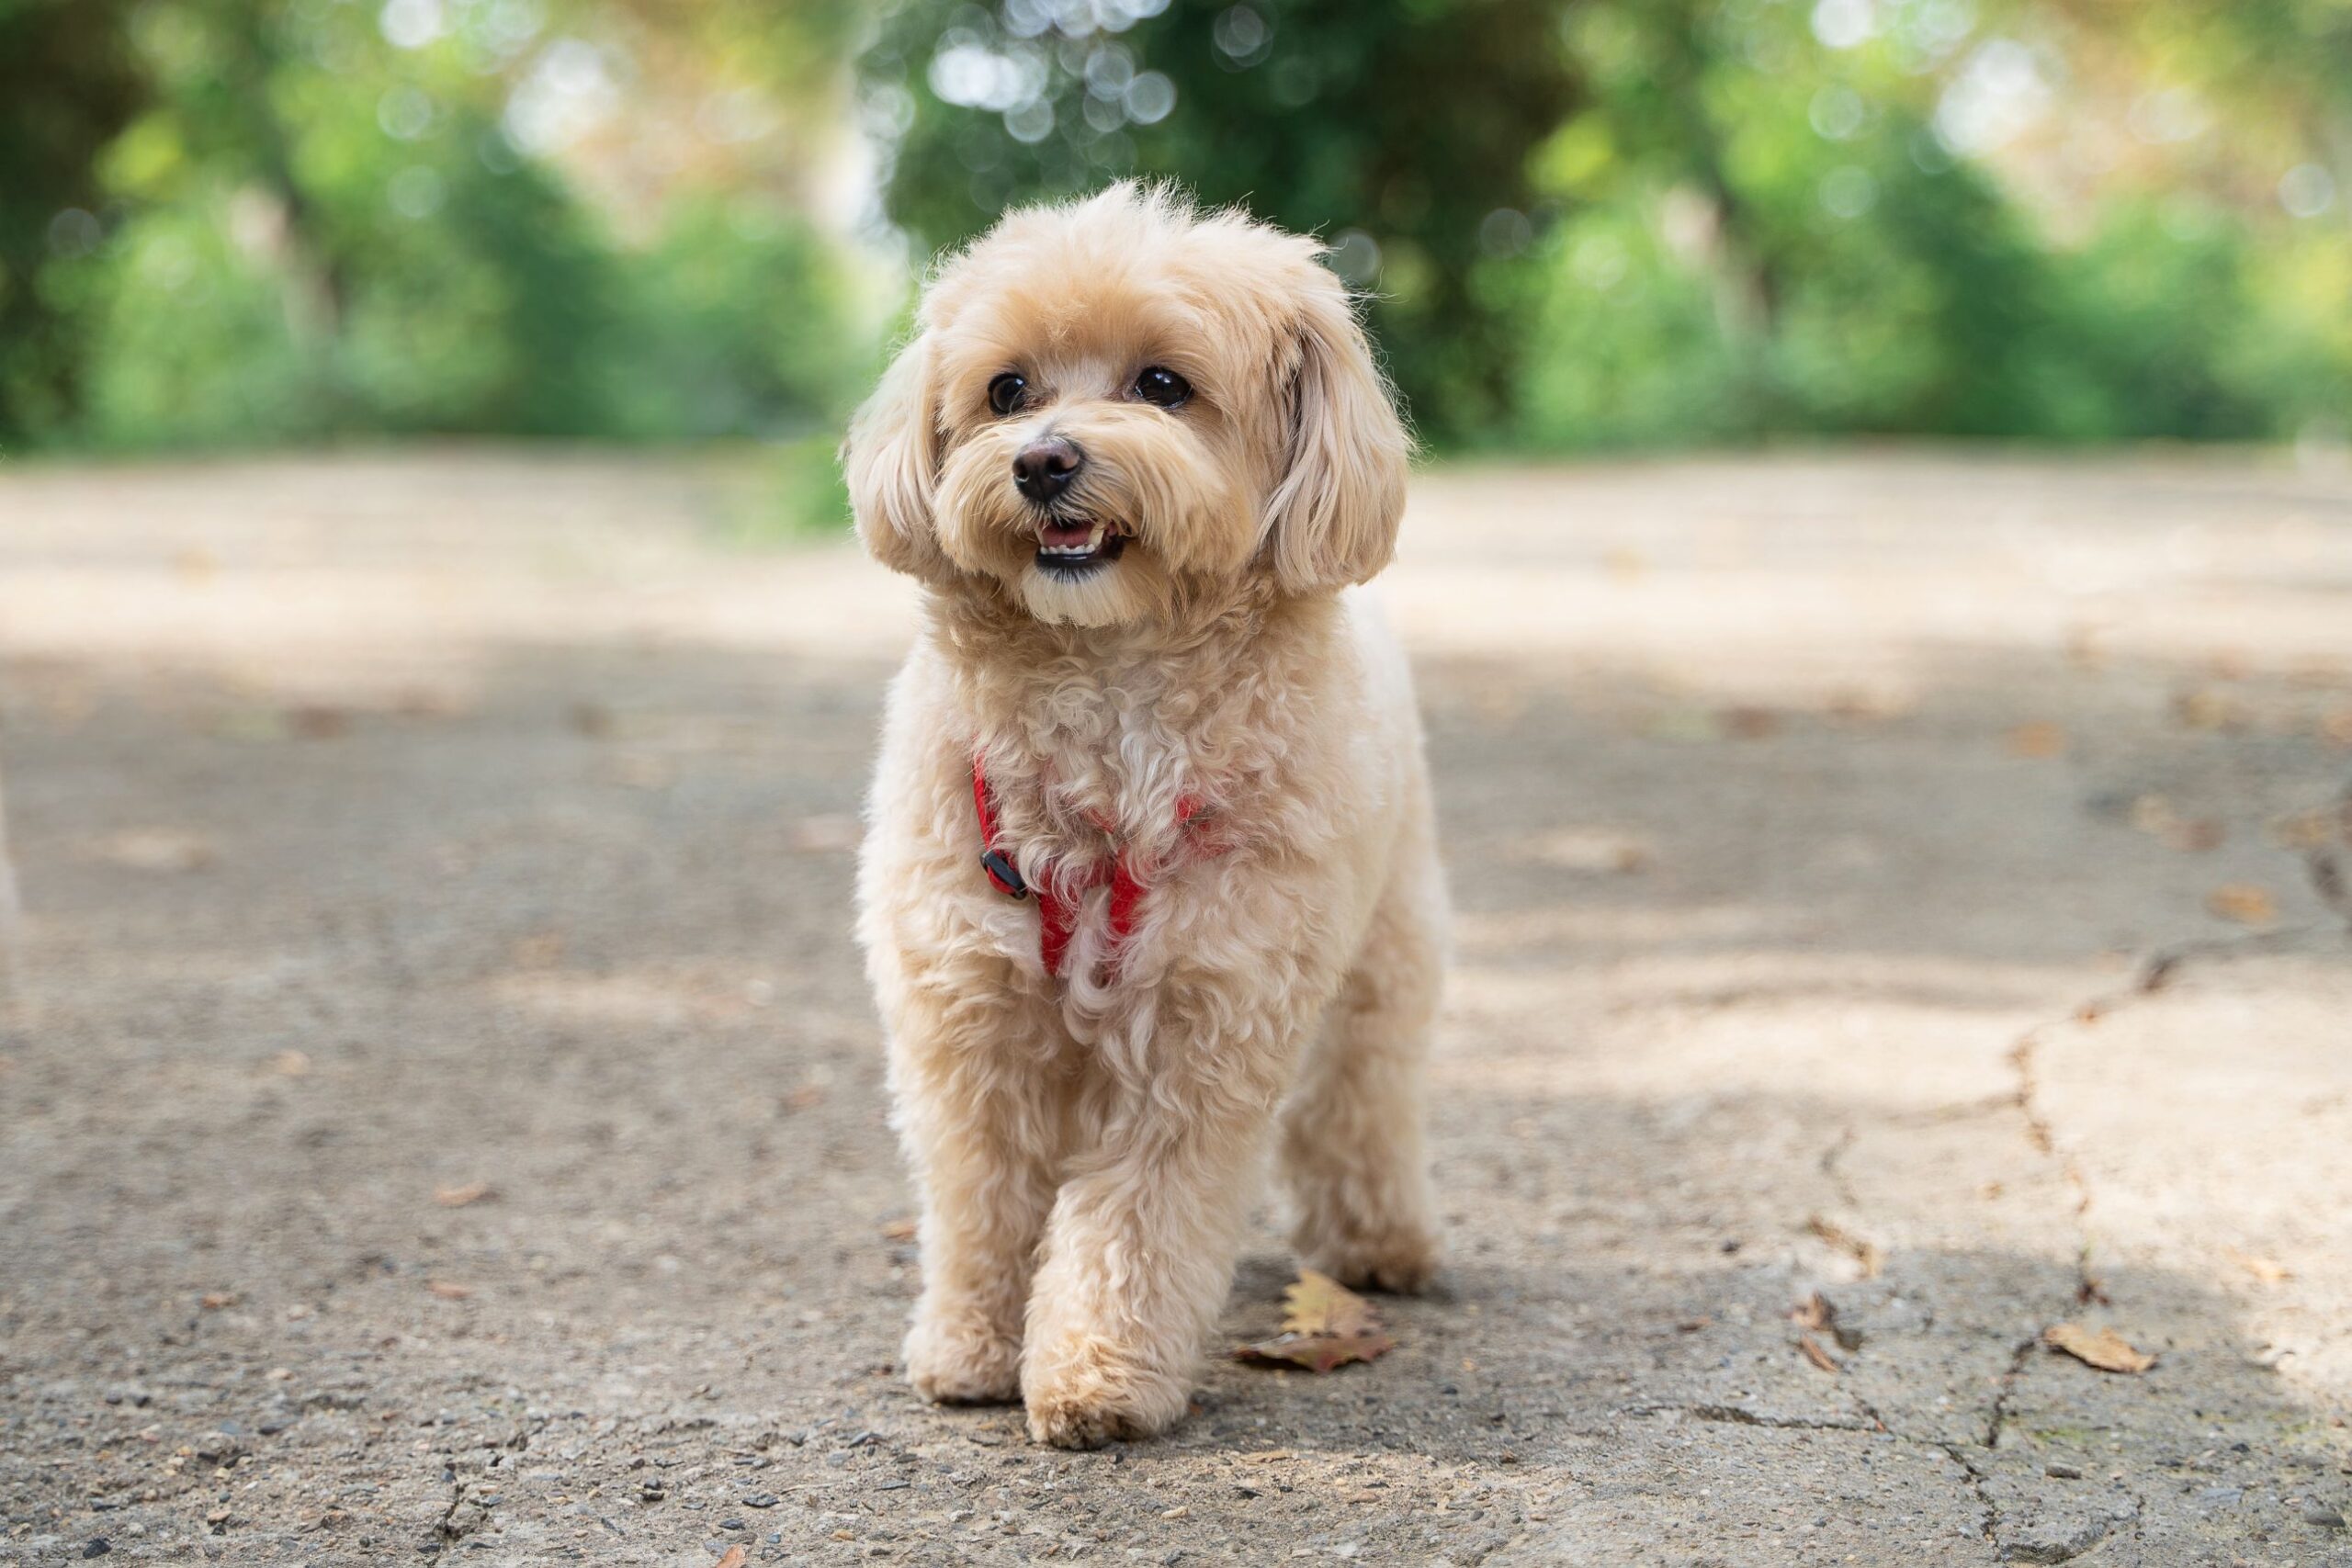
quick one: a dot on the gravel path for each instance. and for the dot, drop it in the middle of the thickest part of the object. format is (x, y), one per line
(440, 1114)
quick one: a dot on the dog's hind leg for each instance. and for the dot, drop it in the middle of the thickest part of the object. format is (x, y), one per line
(1351, 1150)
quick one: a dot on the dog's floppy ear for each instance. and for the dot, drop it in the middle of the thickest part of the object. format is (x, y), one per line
(1334, 516)
(891, 462)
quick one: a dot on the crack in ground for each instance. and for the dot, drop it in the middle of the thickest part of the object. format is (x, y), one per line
(1737, 1415)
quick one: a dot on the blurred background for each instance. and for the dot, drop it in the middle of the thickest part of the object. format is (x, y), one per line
(1584, 224)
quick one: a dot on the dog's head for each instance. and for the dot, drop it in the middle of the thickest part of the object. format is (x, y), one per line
(1107, 400)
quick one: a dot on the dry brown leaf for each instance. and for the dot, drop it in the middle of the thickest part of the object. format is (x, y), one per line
(448, 1291)
(159, 849)
(2313, 829)
(1598, 851)
(2107, 1351)
(2154, 815)
(899, 1230)
(458, 1197)
(1817, 1315)
(214, 1301)
(737, 1555)
(2040, 739)
(1325, 1325)
(541, 950)
(1815, 1354)
(1869, 1254)
(2208, 710)
(2263, 1269)
(826, 834)
(318, 723)
(2242, 902)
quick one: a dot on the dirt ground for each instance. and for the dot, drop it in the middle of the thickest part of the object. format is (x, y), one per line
(440, 1114)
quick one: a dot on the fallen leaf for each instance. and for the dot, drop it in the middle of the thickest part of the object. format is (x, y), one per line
(158, 849)
(1815, 1354)
(1869, 1254)
(1325, 1325)
(214, 1301)
(825, 834)
(2154, 815)
(899, 1230)
(2313, 829)
(736, 1557)
(2208, 710)
(448, 1291)
(2040, 739)
(1869, 705)
(316, 722)
(1598, 851)
(458, 1197)
(541, 950)
(2242, 902)
(1816, 1314)
(640, 769)
(2107, 1351)
(2262, 1269)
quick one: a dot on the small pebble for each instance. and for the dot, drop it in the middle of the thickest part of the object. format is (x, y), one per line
(730, 1523)
(760, 1500)
(2327, 1518)
(2064, 1472)
(98, 1546)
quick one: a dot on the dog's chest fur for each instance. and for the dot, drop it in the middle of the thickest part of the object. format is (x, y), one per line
(1100, 743)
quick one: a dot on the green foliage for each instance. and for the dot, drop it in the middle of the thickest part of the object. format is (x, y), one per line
(1580, 224)
(741, 320)
(1406, 125)
(310, 234)
(68, 84)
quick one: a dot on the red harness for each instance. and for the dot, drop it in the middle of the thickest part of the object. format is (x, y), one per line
(1057, 915)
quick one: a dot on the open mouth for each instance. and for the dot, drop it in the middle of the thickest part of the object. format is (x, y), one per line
(1074, 546)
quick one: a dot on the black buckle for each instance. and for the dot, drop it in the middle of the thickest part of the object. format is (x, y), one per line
(1004, 874)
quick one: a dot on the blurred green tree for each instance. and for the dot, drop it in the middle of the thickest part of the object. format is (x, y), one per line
(68, 85)
(1398, 130)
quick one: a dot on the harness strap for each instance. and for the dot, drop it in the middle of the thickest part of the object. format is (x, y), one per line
(1057, 915)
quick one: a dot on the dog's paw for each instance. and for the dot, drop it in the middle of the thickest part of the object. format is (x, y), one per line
(1402, 1263)
(958, 1363)
(1088, 1394)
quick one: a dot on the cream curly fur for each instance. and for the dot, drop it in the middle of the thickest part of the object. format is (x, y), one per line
(1086, 1146)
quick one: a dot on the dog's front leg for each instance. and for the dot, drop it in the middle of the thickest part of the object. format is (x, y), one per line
(1139, 1252)
(979, 1097)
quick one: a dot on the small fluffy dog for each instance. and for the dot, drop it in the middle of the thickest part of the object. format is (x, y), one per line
(1151, 870)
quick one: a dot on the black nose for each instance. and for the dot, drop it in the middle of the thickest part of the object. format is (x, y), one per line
(1043, 468)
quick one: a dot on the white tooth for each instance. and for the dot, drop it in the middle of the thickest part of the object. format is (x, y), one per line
(1094, 537)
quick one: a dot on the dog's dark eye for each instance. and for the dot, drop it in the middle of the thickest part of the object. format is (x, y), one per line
(1008, 392)
(1162, 385)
